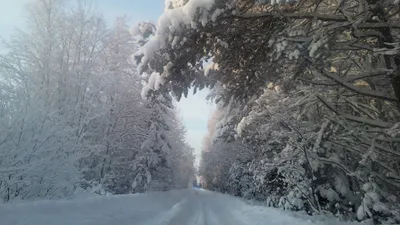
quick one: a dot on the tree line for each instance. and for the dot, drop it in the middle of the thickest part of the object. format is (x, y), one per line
(72, 118)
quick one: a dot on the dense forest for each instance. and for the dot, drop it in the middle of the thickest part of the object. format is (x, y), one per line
(307, 96)
(72, 119)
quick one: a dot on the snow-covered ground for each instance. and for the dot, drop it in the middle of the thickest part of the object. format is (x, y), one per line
(183, 207)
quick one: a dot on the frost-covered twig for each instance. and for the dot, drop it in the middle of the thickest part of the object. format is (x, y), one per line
(327, 104)
(367, 75)
(375, 123)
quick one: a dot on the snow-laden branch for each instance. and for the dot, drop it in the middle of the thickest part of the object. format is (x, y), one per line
(368, 75)
(361, 91)
(313, 15)
(375, 123)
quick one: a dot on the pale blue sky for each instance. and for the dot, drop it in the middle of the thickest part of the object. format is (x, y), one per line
(194, 110)
(12, 11)
(136, 10)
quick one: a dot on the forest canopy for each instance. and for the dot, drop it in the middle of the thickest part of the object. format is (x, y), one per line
(307, 97)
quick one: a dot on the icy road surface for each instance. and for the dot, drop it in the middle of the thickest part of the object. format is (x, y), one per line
(184, 207)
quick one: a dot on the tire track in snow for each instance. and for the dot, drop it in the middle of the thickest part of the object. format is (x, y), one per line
(163, 218)
(191, 212)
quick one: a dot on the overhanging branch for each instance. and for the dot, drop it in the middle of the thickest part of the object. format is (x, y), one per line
(312, 15)
(360, 91)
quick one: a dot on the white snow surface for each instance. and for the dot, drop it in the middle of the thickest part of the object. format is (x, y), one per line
(181, 207)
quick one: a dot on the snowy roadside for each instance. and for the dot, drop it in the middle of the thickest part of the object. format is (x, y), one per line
(179, 207)
(262, 210)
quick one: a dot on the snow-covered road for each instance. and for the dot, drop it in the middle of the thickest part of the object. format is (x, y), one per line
(183, 207)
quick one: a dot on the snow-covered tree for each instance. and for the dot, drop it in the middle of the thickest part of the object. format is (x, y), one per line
(46, 71)
(72, 115)
(310, 88)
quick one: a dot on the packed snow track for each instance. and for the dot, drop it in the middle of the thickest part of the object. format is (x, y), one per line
(183, 207)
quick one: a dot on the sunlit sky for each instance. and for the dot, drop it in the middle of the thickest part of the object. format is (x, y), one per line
(194, 110)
